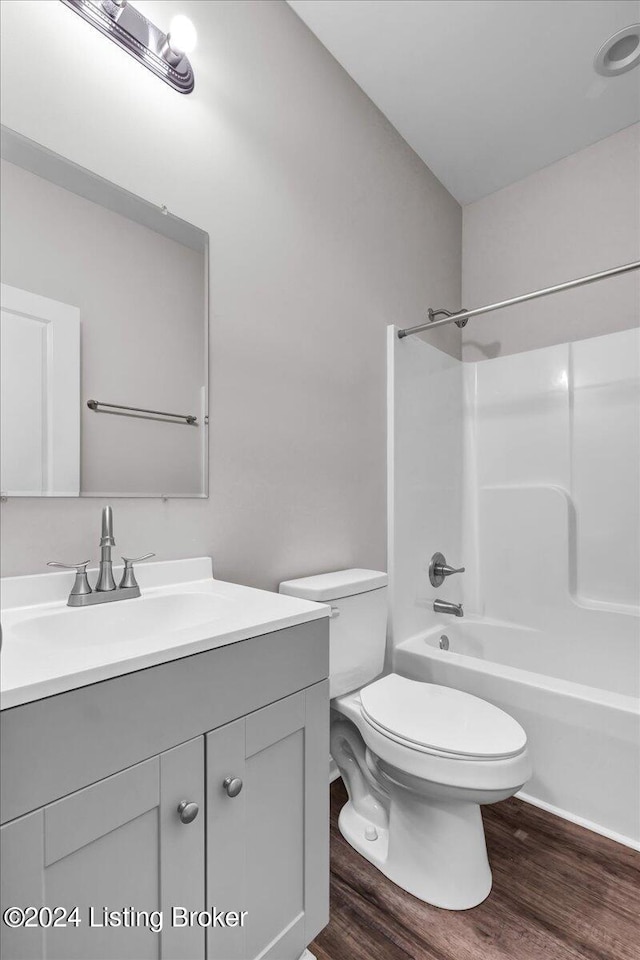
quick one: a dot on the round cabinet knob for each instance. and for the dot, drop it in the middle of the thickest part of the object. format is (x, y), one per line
(188, 811)
(233, 786)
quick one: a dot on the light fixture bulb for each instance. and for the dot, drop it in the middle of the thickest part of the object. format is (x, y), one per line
(182, 35)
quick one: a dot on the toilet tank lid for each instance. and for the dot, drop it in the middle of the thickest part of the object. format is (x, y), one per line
(333, 586)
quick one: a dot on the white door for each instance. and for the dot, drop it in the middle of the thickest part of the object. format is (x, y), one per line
(40, 395)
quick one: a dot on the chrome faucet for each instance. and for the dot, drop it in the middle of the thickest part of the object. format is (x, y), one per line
(105, 590)
(445, 606)
(105, 577)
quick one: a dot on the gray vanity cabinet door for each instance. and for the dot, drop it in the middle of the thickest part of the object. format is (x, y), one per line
(117, 844)
(268, 846)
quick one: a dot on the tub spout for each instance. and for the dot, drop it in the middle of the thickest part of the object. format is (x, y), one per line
(445, 606)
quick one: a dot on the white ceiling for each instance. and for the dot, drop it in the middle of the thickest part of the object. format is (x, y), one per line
(485, 92)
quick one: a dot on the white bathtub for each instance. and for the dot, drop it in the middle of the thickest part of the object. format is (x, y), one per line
(584, 736)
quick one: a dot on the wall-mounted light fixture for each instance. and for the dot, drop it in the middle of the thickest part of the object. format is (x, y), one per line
(163, 54)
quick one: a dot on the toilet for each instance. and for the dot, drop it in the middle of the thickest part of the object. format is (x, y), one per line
(417, 759)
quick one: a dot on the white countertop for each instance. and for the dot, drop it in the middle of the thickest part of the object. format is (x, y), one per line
(49, 648)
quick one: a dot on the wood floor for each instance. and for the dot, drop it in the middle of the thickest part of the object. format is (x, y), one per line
(559, 892)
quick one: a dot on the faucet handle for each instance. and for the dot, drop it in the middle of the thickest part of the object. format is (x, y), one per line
(439, 569)
(81, 585)
(128, 575)
(69, 566)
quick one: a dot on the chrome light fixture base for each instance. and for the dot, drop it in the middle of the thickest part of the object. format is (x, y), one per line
(127, 27)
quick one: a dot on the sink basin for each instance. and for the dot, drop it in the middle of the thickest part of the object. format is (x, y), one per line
(122, 621)
(49, 648)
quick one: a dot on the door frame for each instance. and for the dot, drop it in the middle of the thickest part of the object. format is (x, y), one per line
(61, 329)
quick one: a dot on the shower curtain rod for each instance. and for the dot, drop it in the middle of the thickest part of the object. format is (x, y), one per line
(466, 314)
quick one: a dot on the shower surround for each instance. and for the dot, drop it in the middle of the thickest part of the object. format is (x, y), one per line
(526, 469)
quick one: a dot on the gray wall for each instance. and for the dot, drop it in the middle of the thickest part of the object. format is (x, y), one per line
(141, 302)
(325, 227)
(578, 216)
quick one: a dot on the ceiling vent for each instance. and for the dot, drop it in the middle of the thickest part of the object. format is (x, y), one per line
(619, 53)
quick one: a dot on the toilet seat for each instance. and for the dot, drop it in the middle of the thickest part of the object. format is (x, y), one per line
(438, 720)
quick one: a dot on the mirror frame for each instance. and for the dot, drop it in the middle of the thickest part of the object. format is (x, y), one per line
(44, 163)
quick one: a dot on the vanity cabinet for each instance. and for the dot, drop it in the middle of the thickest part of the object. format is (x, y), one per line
(114, 844)
(266, 849)
(251, 725)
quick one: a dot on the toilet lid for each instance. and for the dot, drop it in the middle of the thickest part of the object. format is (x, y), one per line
(430, 717)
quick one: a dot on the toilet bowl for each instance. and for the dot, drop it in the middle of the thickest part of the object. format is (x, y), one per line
(417, 759)
(431, 755)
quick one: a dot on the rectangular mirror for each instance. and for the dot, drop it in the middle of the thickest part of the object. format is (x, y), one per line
(104, 324)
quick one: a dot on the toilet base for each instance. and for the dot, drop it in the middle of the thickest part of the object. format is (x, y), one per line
(434, 850)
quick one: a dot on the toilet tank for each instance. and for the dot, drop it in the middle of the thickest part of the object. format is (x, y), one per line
(358, 625)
